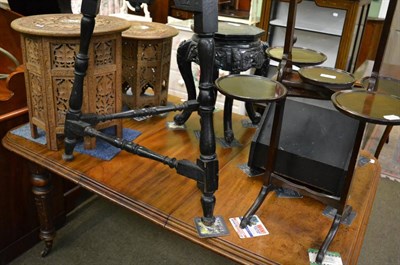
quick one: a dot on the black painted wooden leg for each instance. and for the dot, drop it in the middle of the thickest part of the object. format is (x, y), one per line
(263, 70)
(185, 68)
(41, 188)
(270, 163)
(339, 216)
(228, 131)
(89, 10)
(208, 158)
(254, 116)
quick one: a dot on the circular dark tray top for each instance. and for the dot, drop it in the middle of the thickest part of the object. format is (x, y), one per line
(384, 84)
(229, 31)
(250, 88)
(369, 106)
(327, 77)
(300, 56)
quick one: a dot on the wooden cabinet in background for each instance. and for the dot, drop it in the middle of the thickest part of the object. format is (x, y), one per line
(179, 13)
(370, 40)
(230, 8)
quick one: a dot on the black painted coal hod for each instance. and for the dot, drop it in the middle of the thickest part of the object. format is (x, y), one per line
(205, 170)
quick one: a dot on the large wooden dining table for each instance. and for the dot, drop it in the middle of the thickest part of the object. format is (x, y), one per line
(159, 194)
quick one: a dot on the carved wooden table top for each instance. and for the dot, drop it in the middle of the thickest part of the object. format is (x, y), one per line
(149, 30)
(66, 25)
(159, 194)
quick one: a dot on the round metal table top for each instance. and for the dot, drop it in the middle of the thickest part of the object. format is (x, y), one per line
(300, 56)
(149, 30)
(368, 106)
(67, 25)
(331, 78)
(250, 88)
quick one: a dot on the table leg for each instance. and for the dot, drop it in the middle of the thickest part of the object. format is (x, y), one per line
(228, 131)
(383, 140)
(254, 116)
(184, 60)
(208, 158)
(41, 188)
(270, 163)
(263, 70)
(339, 216)
(89, 9)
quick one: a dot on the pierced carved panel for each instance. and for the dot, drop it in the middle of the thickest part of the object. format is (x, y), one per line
(149, 52)
(63, 87)
(105, 94)
(147, 76)
(63, 55)
(104, 52)
(36, 89)
(33, 51)
(129, 49)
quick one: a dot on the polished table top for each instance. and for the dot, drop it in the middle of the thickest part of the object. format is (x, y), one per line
(159, 194)
(369, 106)
(300, 56)
(251, 88)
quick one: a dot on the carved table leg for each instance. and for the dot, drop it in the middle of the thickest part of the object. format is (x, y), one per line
(263, 70)
(184, 61)
(228, 131)
(254, 116)
(205, 25)
(208, 158)
(41, 188)
(89, 9)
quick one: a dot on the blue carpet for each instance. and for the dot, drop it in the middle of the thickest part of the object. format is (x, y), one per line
(103, 150)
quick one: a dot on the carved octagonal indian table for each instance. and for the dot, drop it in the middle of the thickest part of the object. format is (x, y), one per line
(50, 44)
(146, 56)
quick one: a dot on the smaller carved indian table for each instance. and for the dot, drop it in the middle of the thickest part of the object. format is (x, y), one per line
(50, 44)
(146, 56)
